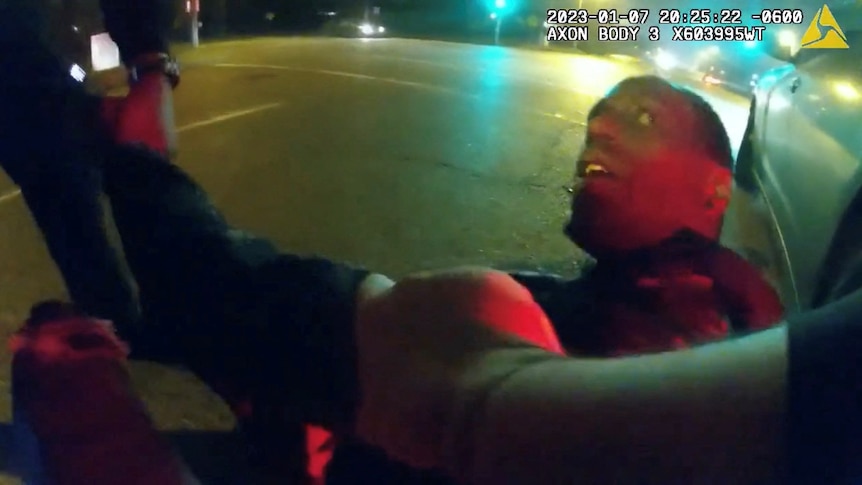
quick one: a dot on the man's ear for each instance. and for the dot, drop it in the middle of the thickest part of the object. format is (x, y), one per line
(718, 190)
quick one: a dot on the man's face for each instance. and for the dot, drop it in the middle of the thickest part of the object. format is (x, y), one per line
(639, 178)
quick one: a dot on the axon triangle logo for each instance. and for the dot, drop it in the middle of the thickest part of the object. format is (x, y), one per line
(824, 32)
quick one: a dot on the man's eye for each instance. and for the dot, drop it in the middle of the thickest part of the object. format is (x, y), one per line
(645, 119)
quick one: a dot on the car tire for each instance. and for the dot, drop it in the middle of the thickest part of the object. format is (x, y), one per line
(842, 269)
(743, 168)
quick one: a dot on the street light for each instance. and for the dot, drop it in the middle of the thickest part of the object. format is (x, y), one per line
(497, 13)
(787, 38)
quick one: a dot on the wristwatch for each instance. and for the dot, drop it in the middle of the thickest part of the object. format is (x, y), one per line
(162, 63)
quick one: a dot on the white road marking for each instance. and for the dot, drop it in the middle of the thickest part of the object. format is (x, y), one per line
(8, 196)
(562, 117)
(426, 86)
(227, 116)
(353, 75)
(414, 84)
(441, 65)
(256, 109)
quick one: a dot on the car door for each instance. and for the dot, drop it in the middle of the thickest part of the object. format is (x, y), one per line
(814, 141)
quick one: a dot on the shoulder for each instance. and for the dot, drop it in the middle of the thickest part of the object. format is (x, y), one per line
(727, 267)
(743, 289)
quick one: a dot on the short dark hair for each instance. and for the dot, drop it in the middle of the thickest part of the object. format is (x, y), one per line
(714, 140)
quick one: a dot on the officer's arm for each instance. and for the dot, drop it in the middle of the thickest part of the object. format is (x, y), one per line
(173, 237)
(179, 246)
(546, 289)
(635, 420)
(568, 303)
(780, 406)
(228, 295)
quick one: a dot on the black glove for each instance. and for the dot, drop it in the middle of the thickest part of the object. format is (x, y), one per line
(138, 26)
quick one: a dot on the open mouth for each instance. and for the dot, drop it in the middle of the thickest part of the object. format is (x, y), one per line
(593, 169)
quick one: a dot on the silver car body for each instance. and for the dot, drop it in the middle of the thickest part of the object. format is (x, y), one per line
(807, 134)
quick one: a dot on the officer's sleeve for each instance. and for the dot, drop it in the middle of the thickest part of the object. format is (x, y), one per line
(238, 311)
(568, 303)
(546, 290)
(180, 248)
(825, 394)
(539, 418)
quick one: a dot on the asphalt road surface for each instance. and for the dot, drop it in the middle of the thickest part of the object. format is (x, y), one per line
(396, 154)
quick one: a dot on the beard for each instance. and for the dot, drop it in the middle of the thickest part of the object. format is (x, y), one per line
(607, 221)
(580, 228)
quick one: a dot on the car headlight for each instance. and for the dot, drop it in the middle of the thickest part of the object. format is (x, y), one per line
(366, 29)
(381, 29)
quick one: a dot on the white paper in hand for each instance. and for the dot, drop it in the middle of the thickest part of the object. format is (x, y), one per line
(105, 54)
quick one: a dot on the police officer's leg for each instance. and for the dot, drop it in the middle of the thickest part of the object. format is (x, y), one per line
(65, 204)
(49, 128)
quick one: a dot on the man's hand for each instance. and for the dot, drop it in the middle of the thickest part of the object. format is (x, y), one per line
(430, 347)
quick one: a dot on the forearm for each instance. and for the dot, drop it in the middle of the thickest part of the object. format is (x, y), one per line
(651, 419)
(825, 395)
(172, 234)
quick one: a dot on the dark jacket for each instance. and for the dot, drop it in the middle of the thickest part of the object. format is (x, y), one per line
(273, 333)
(685, 291)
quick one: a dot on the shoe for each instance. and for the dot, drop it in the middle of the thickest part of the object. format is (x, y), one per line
(75, 414)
